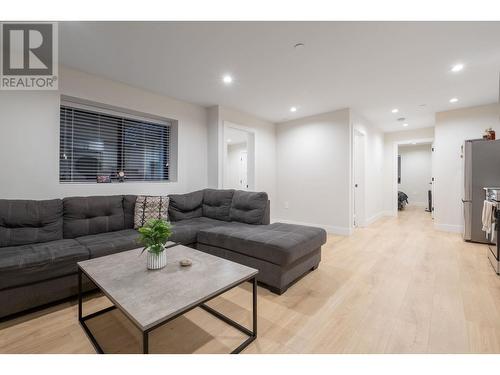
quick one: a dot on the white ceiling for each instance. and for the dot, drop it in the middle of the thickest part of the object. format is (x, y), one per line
(371, 67)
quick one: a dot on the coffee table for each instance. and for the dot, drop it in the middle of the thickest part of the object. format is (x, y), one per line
(152, 298)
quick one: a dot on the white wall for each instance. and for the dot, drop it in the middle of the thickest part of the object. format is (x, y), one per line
(374, 161)
(313, 171)
(452, 129)
(416, 173)
(391, 141)
(232, 170)
(29, 138)
(265, 149)
(214, 128)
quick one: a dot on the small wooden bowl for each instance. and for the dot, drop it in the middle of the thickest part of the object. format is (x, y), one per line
(186, 262)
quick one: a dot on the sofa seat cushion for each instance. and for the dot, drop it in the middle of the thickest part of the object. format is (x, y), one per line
(186, 231)
(109, 243)
(249, 207)
(278, 243)
(24, 222)
(185, 206)
(92, 215)
(217, 204)
(26, 264)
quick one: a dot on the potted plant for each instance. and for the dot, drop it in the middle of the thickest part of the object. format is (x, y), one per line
(153, 236)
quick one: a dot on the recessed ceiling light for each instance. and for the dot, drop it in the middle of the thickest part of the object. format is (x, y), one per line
(227, 79)
(453, 100)
(299, 45)
(293, 109)
(457, 67)
(405, 124)
(229, 140)
(395, 110)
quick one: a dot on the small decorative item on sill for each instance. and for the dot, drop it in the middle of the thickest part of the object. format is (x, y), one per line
(154, 236)
(492, 135)
(489, 134)
(103, 179)
(121, 176)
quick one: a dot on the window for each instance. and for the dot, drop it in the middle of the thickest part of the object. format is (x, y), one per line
(96, 142)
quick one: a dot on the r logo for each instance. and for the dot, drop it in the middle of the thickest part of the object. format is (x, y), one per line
(27, 49)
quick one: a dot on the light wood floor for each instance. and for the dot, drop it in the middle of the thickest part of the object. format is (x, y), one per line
(397, 286)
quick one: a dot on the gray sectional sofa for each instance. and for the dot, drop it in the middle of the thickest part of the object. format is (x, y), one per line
(41, 241)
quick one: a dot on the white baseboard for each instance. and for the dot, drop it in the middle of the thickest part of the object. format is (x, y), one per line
(343, 231)
(449, 228)
(374, 218)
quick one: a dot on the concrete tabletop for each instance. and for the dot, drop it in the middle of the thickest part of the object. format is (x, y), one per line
(149, 297)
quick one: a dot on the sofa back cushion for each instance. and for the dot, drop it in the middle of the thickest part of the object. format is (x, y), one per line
(93, 215)
(129, 210)
(250, 207)
(25, 222)
(217, 204)
(185, 206)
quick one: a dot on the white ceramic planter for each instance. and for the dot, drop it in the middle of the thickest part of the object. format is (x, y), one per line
(156, 261)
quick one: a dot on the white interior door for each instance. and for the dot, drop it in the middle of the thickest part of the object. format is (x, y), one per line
(432, 180)
(359, 179)
(243, 170)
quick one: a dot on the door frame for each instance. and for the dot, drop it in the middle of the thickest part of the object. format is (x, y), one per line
(359, 215)
(251, 152)
(396, 145)
(243, 153)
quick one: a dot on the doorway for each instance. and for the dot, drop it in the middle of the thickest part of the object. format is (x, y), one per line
(238, 158)
(359, 179)
(414, 176)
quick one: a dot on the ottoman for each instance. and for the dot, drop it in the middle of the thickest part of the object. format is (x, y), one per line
(282, 253)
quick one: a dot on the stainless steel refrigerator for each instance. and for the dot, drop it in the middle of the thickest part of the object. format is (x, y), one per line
(481, 169)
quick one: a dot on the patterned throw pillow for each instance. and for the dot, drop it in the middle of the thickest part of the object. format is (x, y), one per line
(148, 208)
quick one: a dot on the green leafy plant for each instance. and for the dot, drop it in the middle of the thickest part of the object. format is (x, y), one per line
(154, 235)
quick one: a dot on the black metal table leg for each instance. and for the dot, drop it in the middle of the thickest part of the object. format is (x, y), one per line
(82, 319)
(79, 294)
(252, 334)
(145, 343)
(254, 306)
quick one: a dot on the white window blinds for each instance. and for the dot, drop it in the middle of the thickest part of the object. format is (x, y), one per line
(94, 144)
